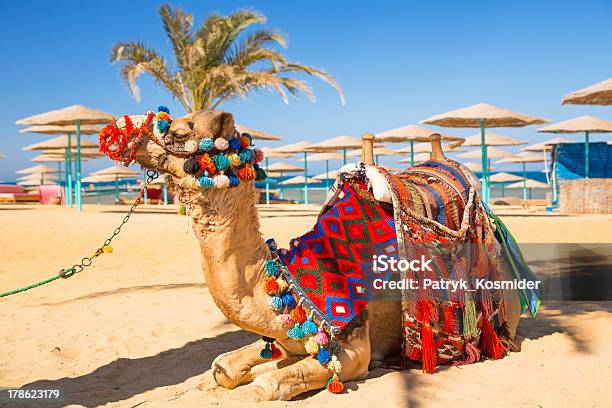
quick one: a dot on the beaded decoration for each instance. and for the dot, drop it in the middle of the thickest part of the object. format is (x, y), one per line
(298, 314)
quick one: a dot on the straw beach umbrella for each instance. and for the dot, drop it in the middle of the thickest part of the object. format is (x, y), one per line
(524, 159)
(325, 157)
(417, 158)
(268, 153)
(297, 180)
(493, 139)
(529, 184)
(586, 124)
(77, 115)
(340, 143)
(503, 178)
(257, 134)
(280, 168)
(412, 134)
(545, 146)
(299, 147)
(327, 175)
(473, 166)
(598, 94)
(483, 116)
(492, 153)
(40, 171)
(378, 151)
(118, 172)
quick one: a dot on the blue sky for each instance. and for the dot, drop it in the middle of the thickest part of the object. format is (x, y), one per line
(398, 62)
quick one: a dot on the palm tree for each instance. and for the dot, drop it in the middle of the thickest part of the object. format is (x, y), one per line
(217, 62)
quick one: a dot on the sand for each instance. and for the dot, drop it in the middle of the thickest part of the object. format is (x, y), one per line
(139, 328)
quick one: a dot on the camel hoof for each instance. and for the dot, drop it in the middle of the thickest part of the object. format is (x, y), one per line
(222, 375)
(265, 389)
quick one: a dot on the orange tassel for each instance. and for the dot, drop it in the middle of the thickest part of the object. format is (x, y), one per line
(428, 355)
(298, 315)
(448, 319)
(335, 386)
(271, 286)
(489, 342)
(426, 311)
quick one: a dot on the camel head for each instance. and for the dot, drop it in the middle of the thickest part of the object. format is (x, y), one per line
(199, 152)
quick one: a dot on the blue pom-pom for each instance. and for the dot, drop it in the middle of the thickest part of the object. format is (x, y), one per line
(272, 268)
(288, 300)
(234, 143)
(309, 326)
(234, 181)
(296, 332)
(221, 162)
(271, 243)
(323, 356)
(163, 126)
(163, 108)
(246, 156)
(266, 353)
(276, 303)
(206, 144)
(206, 182)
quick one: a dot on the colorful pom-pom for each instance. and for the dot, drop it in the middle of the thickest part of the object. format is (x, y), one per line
(221, 162)
(206, 164)
(245, 141)
(288, 300)
(321, 337)
(323, 356)
(298, 315)
(191, 166)
(333, 346)
(272, 268)
(234, 143)
(163, 126)
(270, 286)
(285, 318)
(309, 326)
(258, 155)
(276, 353)
(312, 347)
(266, 353)
(246, 155)
(334, 365)
(295, 332)
(272, 245)
(282, 285)
(233, 180)
(163, 108)
(248, 136)
(234, 159)
(206, 144)
(221, 144)
(205, 182)
(221, 181)
(190, 146)
(260, 174)
(163, 116)
(335, 386)
(276, 303)
(246, 173)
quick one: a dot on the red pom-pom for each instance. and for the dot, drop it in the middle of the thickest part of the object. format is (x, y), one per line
(246, 173)
(206, 164)
(335, 386)
(271, 286)
(298, 315)
(244, 141)
(276, 353)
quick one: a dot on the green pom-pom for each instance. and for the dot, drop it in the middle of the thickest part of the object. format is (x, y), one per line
(272, 268)
(309, 327)
(266, 352)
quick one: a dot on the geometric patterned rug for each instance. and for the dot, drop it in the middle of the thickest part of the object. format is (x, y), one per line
(332, 263)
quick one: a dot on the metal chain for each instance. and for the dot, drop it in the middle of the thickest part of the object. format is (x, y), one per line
(88, 260)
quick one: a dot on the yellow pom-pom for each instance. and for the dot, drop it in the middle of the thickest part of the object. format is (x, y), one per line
(282, 285)
(107, 249)
(234, 160)
(311, 346)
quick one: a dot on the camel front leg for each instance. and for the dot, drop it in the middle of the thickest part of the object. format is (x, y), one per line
(308, 374)
(235, 368)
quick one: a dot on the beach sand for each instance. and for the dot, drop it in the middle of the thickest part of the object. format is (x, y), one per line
(139, 327)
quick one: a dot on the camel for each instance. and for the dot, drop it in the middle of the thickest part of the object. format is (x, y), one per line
(233, 253)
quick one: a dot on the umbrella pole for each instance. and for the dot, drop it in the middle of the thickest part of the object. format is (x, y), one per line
(78, 192)
(267, 182)
(306, 178)
(146, 192)
(327, 174)
(485, 162)
(69, 173)
(586, 154)
(502, 189)
(165, 193)
(524, 182)
(411, 153)
(280, 186)
(116, 189)
(344, 155)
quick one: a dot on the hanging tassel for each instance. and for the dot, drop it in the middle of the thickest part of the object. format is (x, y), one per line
(428, 354)
(266, 353)
(321, 337)
(288, 300)
(282, 285)
(298, 314)
(426, 311)
(309, 326)
(296, 332)
(276, 303)
(334, 385)
(489, 342)
(276, 353)
(285, 318)
(472, 355)
(311, 346)
(270, 286)
(323, 355)
(334, 365)
(469, 317)
(449, 323)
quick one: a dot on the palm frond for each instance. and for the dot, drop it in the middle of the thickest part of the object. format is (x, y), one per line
(178, 25)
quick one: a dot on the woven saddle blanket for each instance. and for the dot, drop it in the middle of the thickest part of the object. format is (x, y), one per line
(435, 213)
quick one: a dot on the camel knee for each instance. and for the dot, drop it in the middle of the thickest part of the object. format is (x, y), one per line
(226, 373)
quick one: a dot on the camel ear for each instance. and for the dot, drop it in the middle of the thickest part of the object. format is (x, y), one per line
(212, 124)
(223, 125)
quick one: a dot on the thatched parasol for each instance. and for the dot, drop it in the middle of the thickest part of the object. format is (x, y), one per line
(328, 175)
(325, 157)
(281, 167)
(59, 143)
(35, 182)
(528, 184)
(297, 180)
(492, 153)
(40, 169)
(412, 134)
(473, 166)
(268, 153)
(299, 147)
(483, 116)
(586, 124)
(62, 129)
(257, 134)
(115, 173)
(545, 146)
(417, 158)
(77, 115)
(336, 144)
(598, 94)
(503, 178)
(493, 139)
(524, 159)
(39, 177)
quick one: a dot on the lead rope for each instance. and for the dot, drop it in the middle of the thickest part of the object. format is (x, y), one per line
(65, 273)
